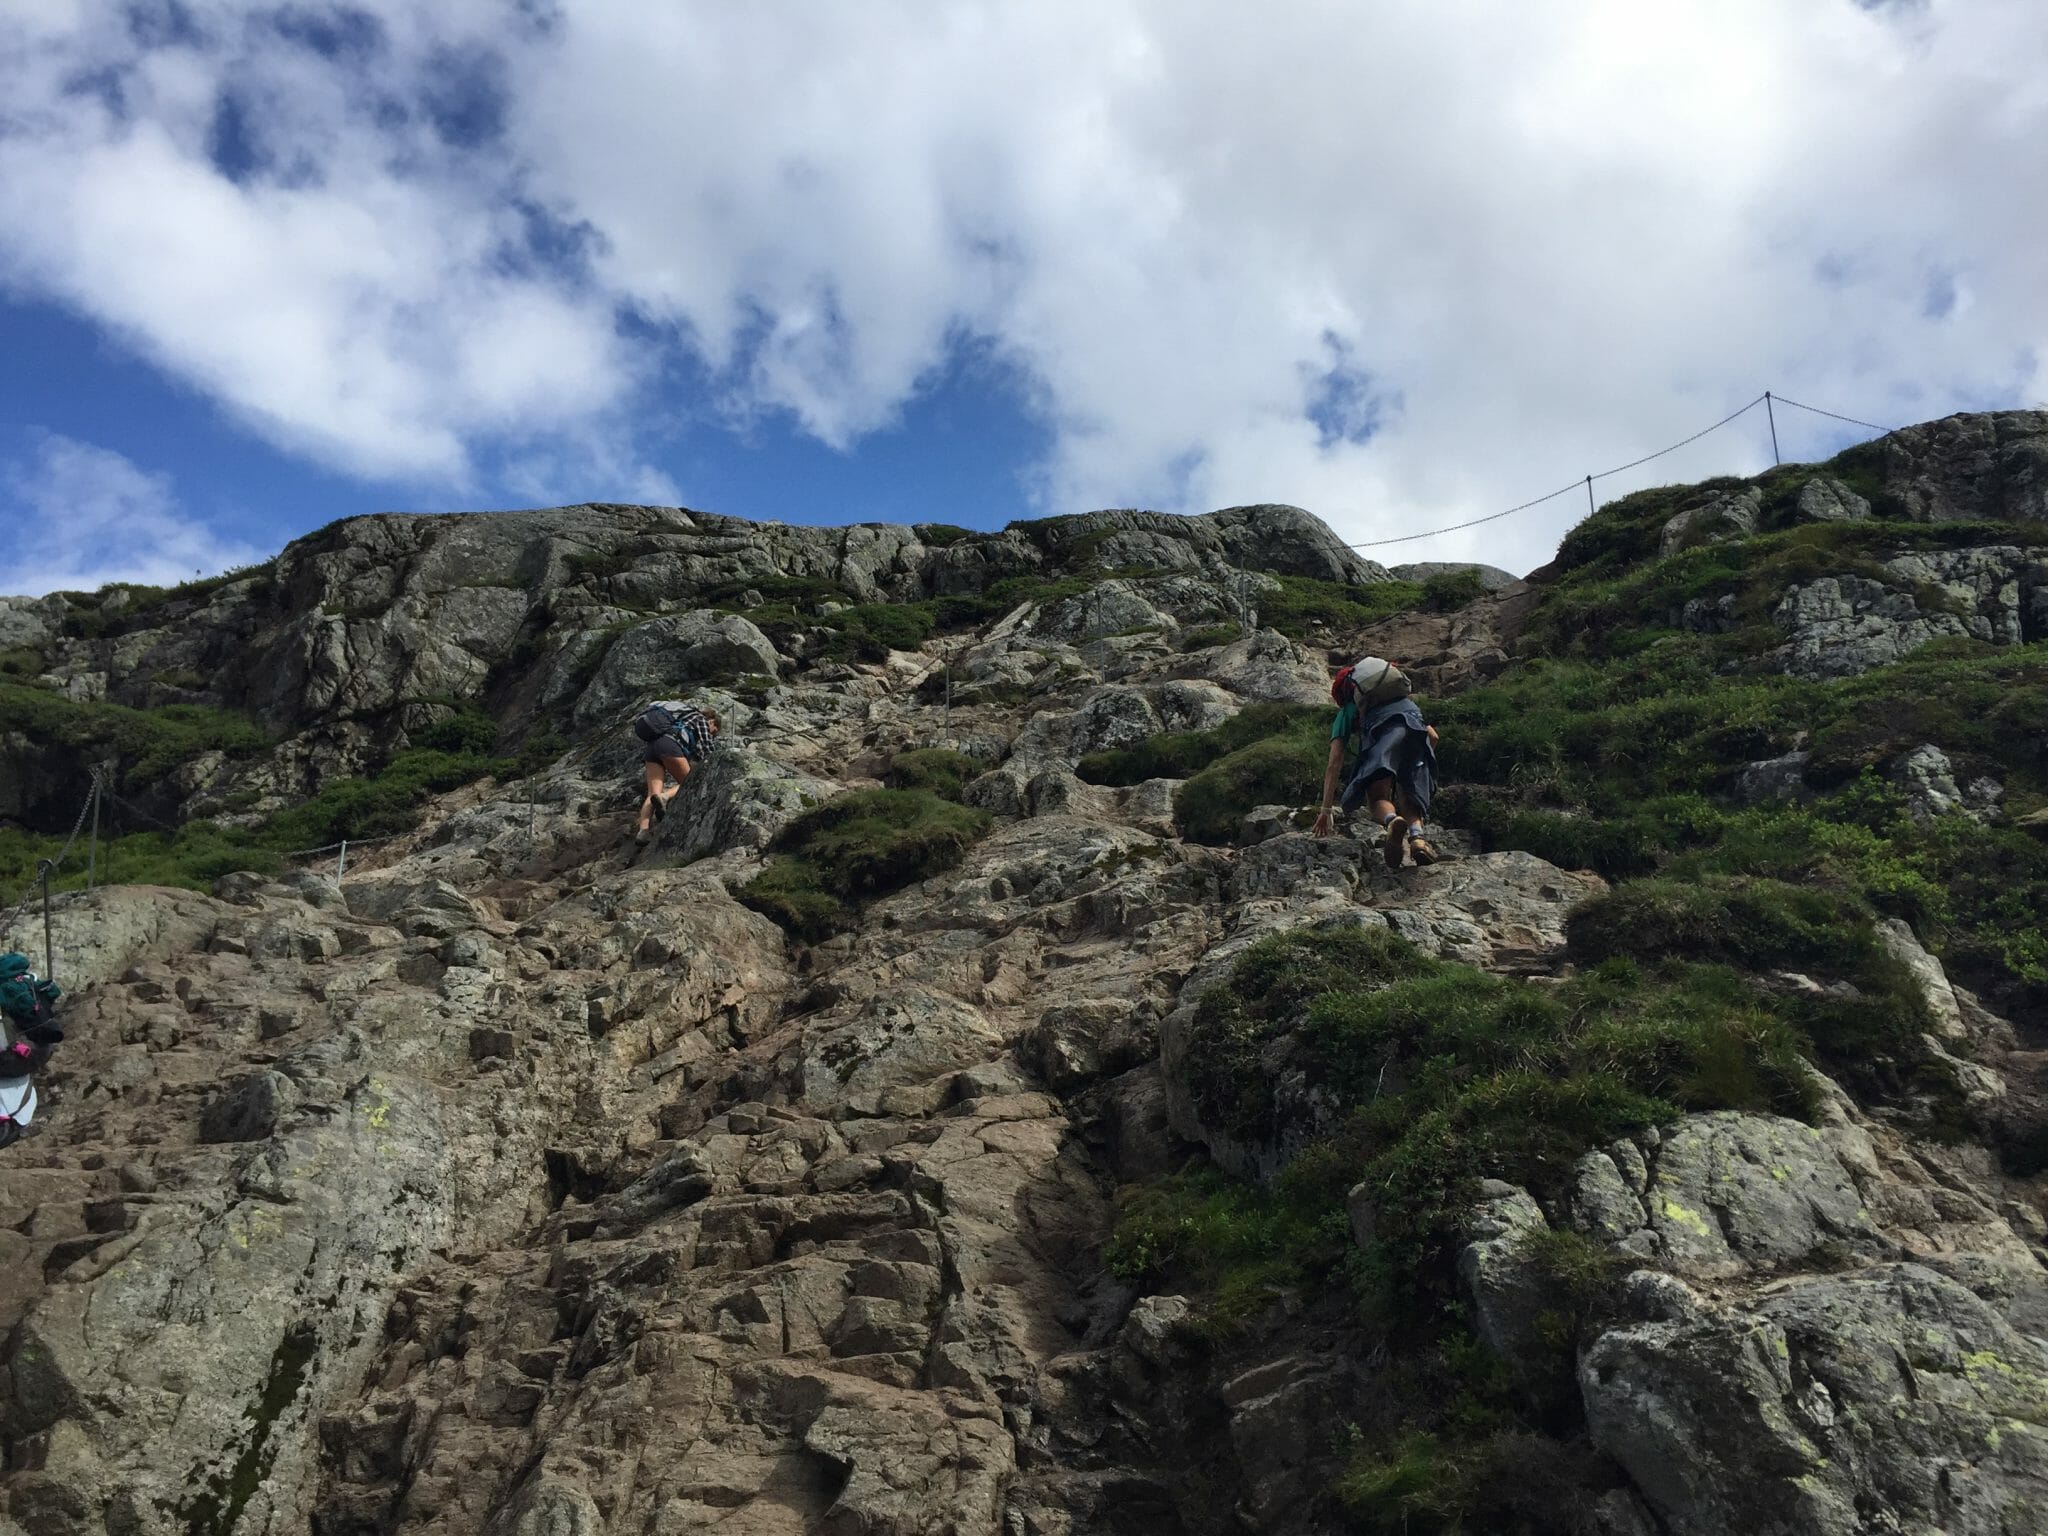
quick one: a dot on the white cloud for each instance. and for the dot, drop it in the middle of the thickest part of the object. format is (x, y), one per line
(1541, 238)
(80, 516)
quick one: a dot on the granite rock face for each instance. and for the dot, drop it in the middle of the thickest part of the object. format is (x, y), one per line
(1978, 467)
(1841, 626)
(524, 1182)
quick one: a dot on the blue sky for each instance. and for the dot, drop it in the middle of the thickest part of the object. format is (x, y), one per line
(264, 265)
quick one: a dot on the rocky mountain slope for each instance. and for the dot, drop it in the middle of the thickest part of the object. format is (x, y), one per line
(983, 1108)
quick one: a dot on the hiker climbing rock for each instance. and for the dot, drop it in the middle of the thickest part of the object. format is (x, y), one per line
(1396, 769)
(673, 735)
(29, 1032)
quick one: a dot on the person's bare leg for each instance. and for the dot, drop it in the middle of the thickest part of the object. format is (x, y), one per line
(1391, 817)
(653, 776)
(678, 769)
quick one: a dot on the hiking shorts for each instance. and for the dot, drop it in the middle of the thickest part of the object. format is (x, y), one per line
(662, 748)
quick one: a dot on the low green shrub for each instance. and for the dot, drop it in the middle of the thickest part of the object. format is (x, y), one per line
(1448, 591)
(870, 631)
(467, 733)
(1282, 770)
(148, 744)
(1267, 993)
(941, 770)
(1177, 754)
(1304, 606)
(1233, 1243)
(854, 848)
(21, 662)
(1211, 635)
(1419, 1483)
(1437, 1075)
(381, 803)
(1759, 924)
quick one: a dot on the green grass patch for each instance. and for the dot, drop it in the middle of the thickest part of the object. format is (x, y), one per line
(1423, 1483)
(1284, 767)
(1434, 1075)
(18, 663)
(1231, 1243)
(1305, 607)
(1448, 591)
(941, 770)
(148, 743)
(1625, 766)
(855, 848)
(1211, 635)
(1177, 754)
(378, 804)
(469, 732)
(199, 852)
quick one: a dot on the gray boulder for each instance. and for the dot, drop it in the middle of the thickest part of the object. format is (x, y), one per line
(1725, 1193)
(1889, 1399)
(1713, 522)
(1266, 667)
(1113, 717)
(1841, 626)
(1825, 499)
(737, 799)
(1928, 781)
(1774, 778)
(668, 657)
(1509, 1299)
(1979, 467)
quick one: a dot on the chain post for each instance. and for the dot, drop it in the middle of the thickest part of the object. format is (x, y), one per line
(341, 860)
(1772, 417)
(949, 693)
(43, 872)
(92, 847)
(532, 814)
(1590, 508)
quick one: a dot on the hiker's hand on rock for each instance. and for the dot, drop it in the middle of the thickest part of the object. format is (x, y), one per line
(1322, 826)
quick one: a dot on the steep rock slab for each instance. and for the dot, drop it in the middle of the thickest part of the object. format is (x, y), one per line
(170, 1376)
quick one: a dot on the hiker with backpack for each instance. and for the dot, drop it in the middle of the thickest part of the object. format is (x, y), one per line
(29, 1032)
(672, 736)
(1396, 770)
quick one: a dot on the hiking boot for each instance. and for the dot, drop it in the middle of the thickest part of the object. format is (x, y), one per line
(644, 836)
(1420, 851)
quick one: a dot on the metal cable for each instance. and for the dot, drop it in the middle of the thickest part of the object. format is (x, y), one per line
(346, 842)
(132, 807)
(1703, 431)
(1409, 538)
(1784, 400)
(53, 865)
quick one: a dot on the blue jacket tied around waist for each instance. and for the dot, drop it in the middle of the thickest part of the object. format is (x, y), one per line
(1391, 739)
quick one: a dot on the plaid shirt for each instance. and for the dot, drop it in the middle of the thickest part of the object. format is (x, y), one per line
(690, 728)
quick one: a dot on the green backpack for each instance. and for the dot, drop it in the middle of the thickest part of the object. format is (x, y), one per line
(28, 1008)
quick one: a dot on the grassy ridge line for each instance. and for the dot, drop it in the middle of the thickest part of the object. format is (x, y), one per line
(449, 754)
